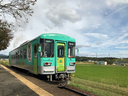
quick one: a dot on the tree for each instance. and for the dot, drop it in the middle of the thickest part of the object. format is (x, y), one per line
(5, 35)
(19, 10)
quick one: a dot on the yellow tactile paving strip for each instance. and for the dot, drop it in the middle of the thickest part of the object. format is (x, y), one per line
(31, 85)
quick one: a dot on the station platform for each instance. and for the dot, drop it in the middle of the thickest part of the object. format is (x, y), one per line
(11, 86)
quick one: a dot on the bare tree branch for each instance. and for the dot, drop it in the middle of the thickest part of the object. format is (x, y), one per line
(19, 9)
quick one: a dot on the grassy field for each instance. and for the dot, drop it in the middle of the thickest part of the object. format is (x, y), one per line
(6, 62)
(102, 80)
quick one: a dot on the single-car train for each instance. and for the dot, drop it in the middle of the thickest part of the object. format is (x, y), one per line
(49, 54)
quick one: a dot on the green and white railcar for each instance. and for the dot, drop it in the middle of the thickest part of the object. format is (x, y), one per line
(48, 54)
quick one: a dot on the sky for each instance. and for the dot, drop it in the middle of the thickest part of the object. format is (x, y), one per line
(100, 27)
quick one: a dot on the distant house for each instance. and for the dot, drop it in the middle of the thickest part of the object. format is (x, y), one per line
(90, 61)
(101, 62)
(123, 62)
(4, 59)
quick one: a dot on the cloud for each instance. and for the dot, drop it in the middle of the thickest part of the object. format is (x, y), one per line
(59, 15)
(98, 43)
(19, 39)
(126, 47)
(96, 35)
(118, 1)
(80, 46)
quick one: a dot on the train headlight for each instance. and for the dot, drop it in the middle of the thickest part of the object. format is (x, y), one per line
(48, 63)
(72, 63)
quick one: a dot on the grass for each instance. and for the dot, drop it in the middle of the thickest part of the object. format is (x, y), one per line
(102, 80)
(6, 62)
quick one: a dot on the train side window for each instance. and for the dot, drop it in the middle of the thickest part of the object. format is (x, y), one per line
(11, 56)
(16, 55)
(71, 49)
(25, 54)
(20, 54)
(35, 51)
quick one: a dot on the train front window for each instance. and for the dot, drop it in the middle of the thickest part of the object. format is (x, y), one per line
(71, 49)
(47, 48)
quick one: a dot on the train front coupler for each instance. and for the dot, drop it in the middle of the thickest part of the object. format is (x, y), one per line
(64, 79)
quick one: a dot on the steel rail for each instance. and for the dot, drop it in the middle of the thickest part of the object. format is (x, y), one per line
(75, 91)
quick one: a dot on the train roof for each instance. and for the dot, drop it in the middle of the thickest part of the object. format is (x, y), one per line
(57, 36)
(54, 36)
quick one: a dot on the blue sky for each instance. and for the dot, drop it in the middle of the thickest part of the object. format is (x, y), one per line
(100, 26)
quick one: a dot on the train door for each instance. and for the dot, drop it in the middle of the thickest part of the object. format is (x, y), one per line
(35, 58)
(60, 57)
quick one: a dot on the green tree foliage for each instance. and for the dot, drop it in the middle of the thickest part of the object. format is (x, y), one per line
(5, 35)
(109, 60)
(18, 9)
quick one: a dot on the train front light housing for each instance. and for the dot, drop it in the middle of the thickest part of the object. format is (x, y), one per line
(48, 63)
(72, 63)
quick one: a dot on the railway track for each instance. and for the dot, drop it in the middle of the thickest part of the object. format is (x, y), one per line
(73, 90)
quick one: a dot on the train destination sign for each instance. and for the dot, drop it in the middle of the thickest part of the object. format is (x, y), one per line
(71, 43)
